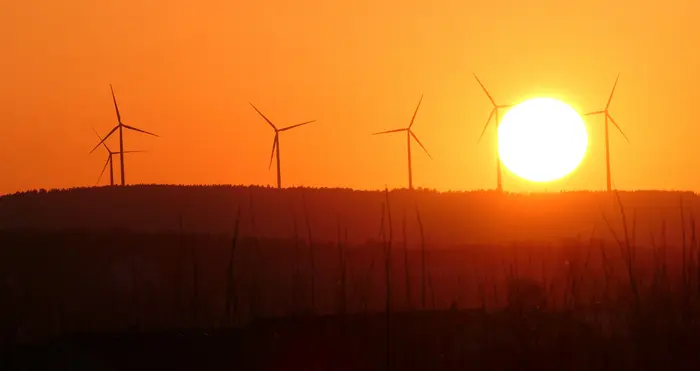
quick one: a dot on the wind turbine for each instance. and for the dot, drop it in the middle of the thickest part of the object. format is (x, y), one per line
(109, 161)
(608, 118)
(276, 142)
(494, 111)
(409, 135)
(120, 126)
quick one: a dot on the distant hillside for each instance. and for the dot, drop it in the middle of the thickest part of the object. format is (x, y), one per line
(449, 218)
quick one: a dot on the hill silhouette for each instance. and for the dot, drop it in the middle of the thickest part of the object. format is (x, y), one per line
(450, 218)
(162, 257)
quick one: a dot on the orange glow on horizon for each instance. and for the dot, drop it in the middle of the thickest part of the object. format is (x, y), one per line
(187, 71)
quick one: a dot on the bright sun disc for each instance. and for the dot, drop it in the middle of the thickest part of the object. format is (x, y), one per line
(542, 139)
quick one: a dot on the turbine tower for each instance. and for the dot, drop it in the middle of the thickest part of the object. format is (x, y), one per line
(120, 126)
(276, 143)
(608, 118)
(109, 161)
(494, 111)
(409, 135)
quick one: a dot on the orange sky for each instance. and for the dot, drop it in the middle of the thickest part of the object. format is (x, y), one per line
(187, 69)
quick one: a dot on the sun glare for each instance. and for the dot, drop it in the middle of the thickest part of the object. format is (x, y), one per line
(542, 139)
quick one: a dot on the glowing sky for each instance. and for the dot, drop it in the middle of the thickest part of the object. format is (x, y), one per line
(186, 70)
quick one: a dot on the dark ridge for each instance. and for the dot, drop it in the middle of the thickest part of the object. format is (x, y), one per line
(450, 217)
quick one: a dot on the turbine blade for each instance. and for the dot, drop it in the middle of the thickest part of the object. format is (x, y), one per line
(390, 131)
(416, 111)
(593, 113)
(493, 111)
(132, 152)
(105, 138)
(612, 92)
(618, 128)
(274, 147)
(420, 144)
(116, 108)
(103, 143)
(103, 169)
(297, 125)
(485, 91)
(139, 130)
(263, 116)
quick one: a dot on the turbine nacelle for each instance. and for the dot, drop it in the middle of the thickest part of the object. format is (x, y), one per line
(120, 126)
(408, 129)
(115, 129)
(494, 110)
(275, 142)
(606, 111)
(410, 135)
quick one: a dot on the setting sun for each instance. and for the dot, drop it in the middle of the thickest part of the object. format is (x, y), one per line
(542, 139)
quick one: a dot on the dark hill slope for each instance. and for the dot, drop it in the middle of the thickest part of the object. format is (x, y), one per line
(449, 218)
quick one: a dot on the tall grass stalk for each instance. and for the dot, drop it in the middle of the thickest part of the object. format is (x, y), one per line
(346, 244)
(367, 281)
(422, 258)
(254, 290)
(195, 284)
(634, 231)
(231, 304)
(684, 277)
(481, 290)
(312, 254)
(432, 289)
(387, 275)
(696, 252)
(691, 255)
(342, 267)
(630, 269)
(664, 247)
(406, 265)
(179, 273)
(297, 268)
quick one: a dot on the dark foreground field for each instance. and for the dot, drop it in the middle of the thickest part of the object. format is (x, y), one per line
(435, 340)
(584, 281)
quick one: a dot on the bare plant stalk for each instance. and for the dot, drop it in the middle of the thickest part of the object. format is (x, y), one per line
(570, 288)
(684, 277)
(367, 281)
(630, 269)
(364, 300)
(387, 273)
(231, 302)
(634, 233)
(406, 266)
(179, 274)
(297, 268)
(481, 290)
(696, 252)
(312, 254)
(345, 265)
(432, 289)
(664, 245)
(496, 299)
(342, 268)
(254, 293)
(195, 285)
(543, 274)
(657, 259)
(693, 247)
(422, 258)
(606, 270)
